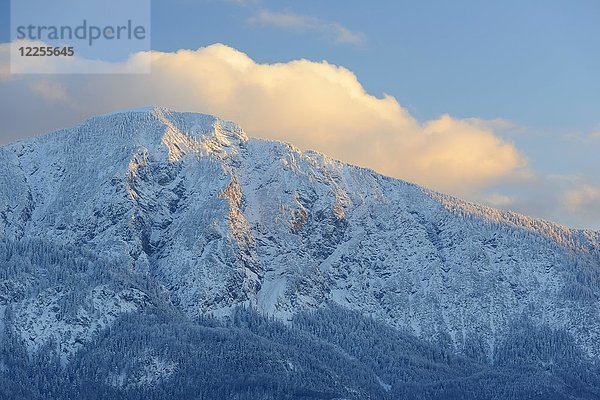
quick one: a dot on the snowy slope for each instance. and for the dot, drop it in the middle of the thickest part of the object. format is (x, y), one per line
(217, 219)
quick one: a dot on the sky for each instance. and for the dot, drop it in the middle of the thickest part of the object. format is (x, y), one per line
(494, 102)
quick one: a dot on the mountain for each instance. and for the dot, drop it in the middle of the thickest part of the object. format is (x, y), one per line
(157, 254)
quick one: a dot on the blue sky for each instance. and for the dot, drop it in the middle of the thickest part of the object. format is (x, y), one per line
(533, 65)
(533, 62)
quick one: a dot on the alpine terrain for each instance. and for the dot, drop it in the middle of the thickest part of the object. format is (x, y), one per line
(152, 254)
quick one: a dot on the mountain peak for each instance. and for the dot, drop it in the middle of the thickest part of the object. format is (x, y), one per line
(118, 134)
(223, 220)
(190, 124)
(180, 214)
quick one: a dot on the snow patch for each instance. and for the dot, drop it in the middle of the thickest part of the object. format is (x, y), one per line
(43, 318)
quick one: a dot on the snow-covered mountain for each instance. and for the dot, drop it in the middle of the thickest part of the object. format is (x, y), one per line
(153, 207)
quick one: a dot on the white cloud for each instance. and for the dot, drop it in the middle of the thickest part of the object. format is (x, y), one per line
(584, 138)
(284, 20)
(49, 90)
(571, 199)
(244, 2)
(338, 32)
(344, 35)
(499, 200)
(584, 201)
(592, 137)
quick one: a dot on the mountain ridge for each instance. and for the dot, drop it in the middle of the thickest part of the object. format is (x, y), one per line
(182, 211)
(506, 215)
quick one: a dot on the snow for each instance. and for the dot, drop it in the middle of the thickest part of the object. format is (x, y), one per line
(40, 319)
(222, 220)
(384, 385)
(148, 370)
(144, 110)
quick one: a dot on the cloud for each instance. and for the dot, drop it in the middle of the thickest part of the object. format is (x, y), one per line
(498, 200)
(291, 21)
(571, 199)
(583, 138)
(584, 201)
(591, 137)
(49, 90)
(314, 105)
(244, 2)
(284, 20)
(499, 124)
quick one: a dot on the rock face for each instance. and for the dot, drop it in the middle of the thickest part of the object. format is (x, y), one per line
(202, 218)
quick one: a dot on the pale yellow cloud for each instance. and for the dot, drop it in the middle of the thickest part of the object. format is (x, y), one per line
(593, 137)
(314, 105)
